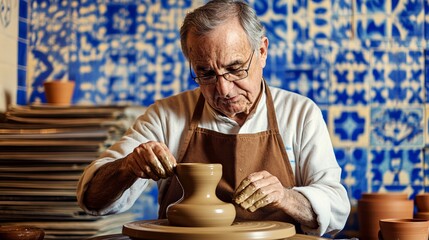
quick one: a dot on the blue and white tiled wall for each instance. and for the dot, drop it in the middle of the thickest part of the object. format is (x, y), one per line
(364, 62)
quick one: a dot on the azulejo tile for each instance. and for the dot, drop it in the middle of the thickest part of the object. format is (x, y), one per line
(319, 18)
(342, 7)
(407, 7)
(371, 6)
(406, 27)
(373, 27)
(274, 14)
(396, 170)
(354, 165)
(397, 77)
(395, 126)
(349, 126)
(350, 77)
(341, 27)
(121, 19)
(298, 15)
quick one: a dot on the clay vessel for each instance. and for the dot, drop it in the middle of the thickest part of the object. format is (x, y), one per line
(422, 215)
(19, 232)
(59, 92)
(199, 205)
(422, 202)
(372, 210)
(404, 229)
(384, 196)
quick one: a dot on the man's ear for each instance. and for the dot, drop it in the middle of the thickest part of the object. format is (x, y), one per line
(263, 51)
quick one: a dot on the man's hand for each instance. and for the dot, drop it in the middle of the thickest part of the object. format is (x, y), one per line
(152, 160)
(258, 190)
(262, 189)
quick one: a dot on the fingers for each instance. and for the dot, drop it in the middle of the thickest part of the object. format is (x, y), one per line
(259, 190)
(168, 161)
(151, 160)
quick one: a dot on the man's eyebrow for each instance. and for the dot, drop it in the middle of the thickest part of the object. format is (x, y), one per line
(233, 63)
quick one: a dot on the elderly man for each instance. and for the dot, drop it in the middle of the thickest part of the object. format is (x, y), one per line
(278, 160)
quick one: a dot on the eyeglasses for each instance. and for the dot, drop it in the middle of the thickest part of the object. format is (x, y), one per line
(230, 76)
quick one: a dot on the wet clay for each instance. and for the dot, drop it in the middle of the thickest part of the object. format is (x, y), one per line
(199, 205)
(161, 230)
(199, 214)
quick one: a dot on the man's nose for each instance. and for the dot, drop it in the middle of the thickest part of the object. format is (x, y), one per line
(223, 86)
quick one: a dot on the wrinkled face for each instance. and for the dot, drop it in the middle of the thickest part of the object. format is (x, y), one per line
(227, 49)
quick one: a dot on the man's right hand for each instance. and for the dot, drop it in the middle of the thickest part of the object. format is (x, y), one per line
(151, 160)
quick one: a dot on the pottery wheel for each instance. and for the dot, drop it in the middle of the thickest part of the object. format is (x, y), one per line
(161, 230)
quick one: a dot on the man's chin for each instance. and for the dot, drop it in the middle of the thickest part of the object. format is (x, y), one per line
(232, 112)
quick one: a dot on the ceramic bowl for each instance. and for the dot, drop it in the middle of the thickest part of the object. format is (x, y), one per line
(15, 232)
(404, 229)
(422, 202)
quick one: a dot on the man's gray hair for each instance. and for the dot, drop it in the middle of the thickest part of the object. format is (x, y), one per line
(207, 17)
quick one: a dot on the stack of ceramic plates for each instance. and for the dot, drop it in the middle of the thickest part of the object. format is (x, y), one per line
(43, 152)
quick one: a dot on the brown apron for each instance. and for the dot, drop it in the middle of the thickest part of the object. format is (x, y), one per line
(240, 155)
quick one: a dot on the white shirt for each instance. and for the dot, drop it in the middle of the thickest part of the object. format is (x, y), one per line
(301, 125)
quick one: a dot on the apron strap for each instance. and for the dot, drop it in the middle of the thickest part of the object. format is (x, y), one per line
(272, 121)
(192, 126)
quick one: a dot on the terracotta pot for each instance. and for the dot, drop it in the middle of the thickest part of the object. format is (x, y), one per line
(385, 196)
(59, 92)
(18, 232)
(422, 202)
(370, 212)
(404, 229)
(199, 205)
(422, 215)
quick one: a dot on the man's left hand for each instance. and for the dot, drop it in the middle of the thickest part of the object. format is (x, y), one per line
(258, 190)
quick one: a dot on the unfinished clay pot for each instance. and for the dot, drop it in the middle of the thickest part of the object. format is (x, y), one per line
(371, 210)
(404, 229)
(199, 205)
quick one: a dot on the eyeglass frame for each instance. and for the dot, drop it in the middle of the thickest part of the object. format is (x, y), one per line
(196, 78)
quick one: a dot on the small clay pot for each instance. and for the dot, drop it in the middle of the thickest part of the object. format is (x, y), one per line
(404, 229)
(59, 92)
(422, 202)
(199, 205)
(18, 232)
